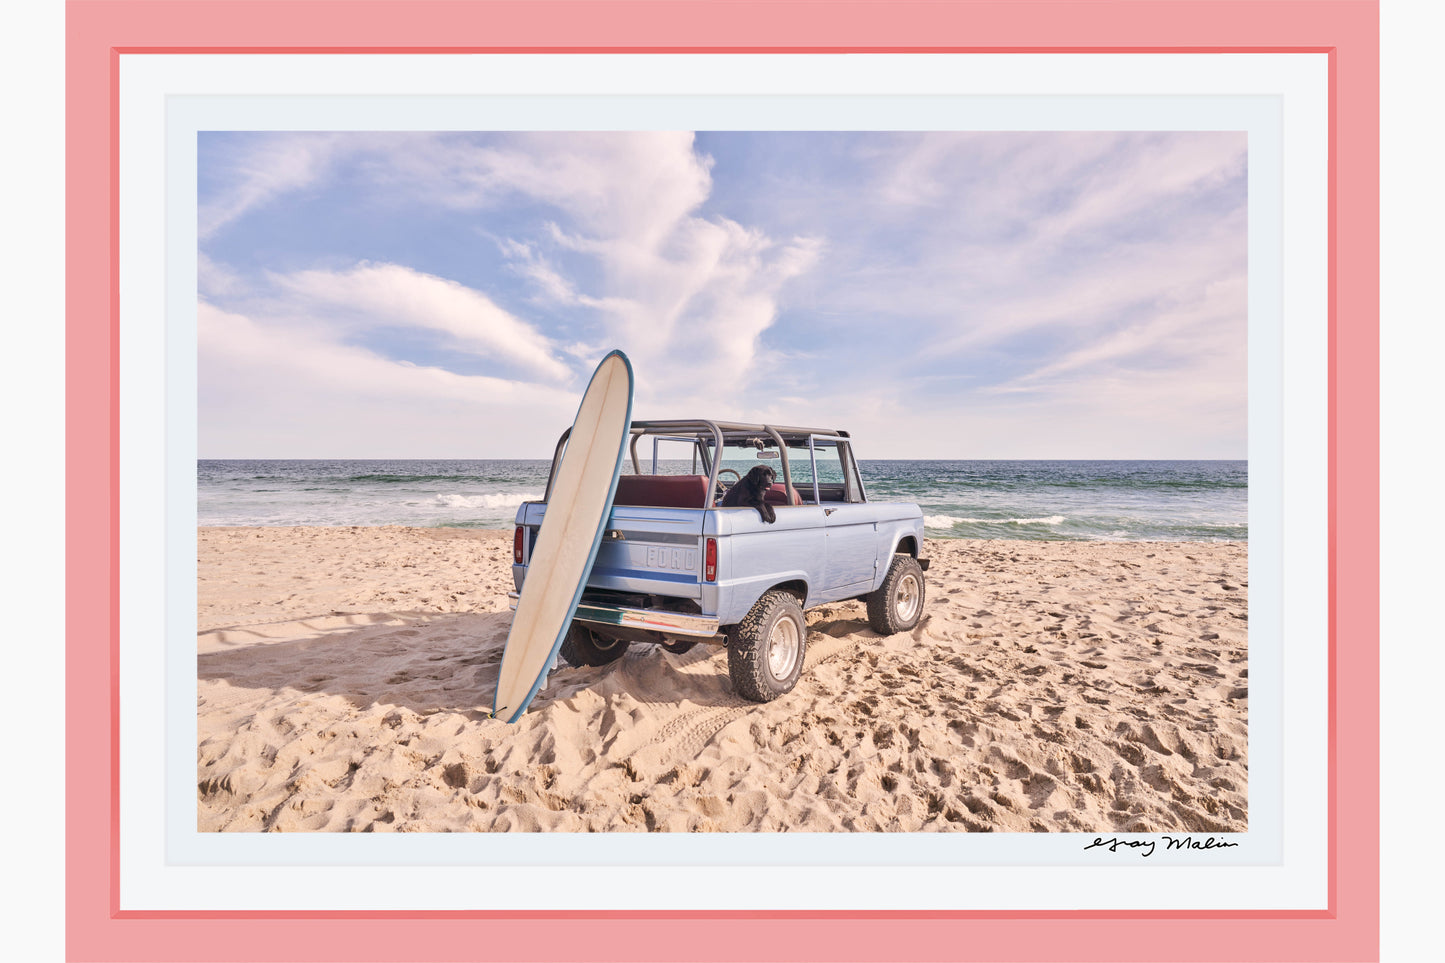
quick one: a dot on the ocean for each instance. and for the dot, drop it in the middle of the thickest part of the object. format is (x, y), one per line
(1067, 500)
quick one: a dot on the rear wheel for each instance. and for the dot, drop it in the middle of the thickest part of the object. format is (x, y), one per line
(582, 646)
(766, 650)
(898, 604)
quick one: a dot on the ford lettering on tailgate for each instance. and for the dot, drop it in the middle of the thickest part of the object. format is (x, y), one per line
(680, 559)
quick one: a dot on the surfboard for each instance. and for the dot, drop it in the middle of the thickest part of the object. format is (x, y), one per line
(582, 491)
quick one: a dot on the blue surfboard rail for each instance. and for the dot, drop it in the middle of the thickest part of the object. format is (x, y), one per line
(596, 540)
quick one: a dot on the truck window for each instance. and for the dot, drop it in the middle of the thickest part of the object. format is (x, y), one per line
(658, 455)
(743, 458)
(800, 465)
(837, 475)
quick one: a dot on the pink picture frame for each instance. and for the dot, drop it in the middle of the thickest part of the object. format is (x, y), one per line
(100, 33)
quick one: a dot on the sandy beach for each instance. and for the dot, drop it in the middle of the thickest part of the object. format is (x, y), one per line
(345, 676)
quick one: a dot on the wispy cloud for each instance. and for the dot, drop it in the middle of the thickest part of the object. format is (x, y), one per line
(635, 186)
(552, 287)
(390, 294)
(1181, 333)
(268, 167)
(1095, 288)
(217, 280)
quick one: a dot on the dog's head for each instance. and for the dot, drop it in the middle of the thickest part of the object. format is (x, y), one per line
(761, 478)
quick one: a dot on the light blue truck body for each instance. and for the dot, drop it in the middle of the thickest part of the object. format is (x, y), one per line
(651, 580)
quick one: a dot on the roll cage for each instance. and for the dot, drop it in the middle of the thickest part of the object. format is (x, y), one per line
(710, 437)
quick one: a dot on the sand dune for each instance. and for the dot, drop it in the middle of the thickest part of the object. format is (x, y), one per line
(346, 675)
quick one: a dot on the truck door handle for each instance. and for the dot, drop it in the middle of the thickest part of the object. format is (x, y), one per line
(829, 511)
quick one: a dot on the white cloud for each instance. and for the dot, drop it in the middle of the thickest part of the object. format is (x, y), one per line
(395, 295)
(278, 390)
(697, 315)
(634, 185)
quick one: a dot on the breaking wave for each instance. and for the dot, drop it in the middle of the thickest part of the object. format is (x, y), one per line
(506, 500)
(948, 521)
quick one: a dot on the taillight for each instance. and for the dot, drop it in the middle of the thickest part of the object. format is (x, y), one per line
(517, 545)
(709, 567)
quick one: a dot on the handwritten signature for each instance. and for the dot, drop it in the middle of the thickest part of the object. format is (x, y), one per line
(1145, 847)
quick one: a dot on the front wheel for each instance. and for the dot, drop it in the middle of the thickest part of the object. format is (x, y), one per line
(582, 646)
(897, 605)
(766, 649)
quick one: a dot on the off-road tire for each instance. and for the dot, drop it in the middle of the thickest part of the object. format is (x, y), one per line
(582, 646)
(754, 674)
(897, 605)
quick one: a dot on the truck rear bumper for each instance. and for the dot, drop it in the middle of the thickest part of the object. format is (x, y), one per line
(652, 620)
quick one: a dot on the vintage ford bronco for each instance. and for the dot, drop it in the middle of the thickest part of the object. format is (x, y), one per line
(675, 569)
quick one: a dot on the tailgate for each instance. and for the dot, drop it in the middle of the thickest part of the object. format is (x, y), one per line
(651, 550)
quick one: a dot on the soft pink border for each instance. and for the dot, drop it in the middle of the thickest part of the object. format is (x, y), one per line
(100, 31)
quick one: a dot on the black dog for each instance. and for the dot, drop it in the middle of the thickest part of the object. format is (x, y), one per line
(749, 490)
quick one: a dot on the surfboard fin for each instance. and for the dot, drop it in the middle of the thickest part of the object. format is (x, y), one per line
(547, 672)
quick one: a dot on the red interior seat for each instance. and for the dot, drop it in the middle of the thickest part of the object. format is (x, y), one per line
(662, 491)
(778, 495)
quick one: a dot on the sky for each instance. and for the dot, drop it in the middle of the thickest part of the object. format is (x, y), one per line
(936, 294)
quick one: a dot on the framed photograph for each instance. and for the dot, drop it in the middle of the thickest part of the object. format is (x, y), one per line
(1058, 623)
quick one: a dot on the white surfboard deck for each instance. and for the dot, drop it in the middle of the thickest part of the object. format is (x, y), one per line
(577, 511)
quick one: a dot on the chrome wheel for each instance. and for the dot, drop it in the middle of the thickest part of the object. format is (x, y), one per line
(897, 604)
(783, 647)
(908, 597)
(766, 650)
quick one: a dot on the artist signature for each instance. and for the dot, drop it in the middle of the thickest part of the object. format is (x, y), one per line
(1145, 847)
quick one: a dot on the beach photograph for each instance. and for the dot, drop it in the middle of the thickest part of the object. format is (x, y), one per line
(1000, 584)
